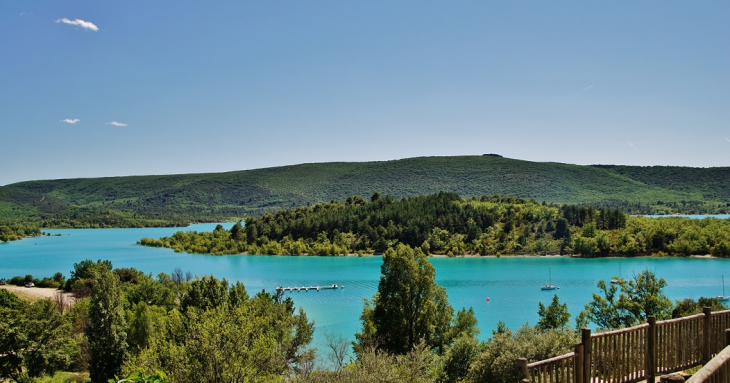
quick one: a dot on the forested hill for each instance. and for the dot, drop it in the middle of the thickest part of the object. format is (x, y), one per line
(254, 192)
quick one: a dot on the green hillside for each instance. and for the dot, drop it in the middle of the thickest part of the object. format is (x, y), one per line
(254, 192)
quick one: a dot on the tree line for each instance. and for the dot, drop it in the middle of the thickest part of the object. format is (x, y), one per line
(18, 231)
(445, 223)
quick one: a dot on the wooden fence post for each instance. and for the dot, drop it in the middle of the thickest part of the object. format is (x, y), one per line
(651, 360)
(706, 332)
(727, 337)
(523, 376)
(578, 366)
(586, 342)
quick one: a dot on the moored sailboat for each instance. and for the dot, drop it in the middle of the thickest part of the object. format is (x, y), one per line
(549, 286)
(723, 297)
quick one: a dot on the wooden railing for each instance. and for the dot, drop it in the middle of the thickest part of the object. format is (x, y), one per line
(719, 322)
(618, 356)
(716, 370)
(560, 369)
(679, 343)
(635, 354)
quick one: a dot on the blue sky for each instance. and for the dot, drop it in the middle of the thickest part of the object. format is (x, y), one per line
(162, 87)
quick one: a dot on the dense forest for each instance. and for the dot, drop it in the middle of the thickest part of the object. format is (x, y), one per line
(235, 195)
(448, 224)
(86, 219)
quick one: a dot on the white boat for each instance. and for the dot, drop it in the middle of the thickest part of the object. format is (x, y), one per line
(617, 280)
(723, 297)
(549, 286)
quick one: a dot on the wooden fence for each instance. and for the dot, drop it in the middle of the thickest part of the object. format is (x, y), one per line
(716, 370)
(634, 354)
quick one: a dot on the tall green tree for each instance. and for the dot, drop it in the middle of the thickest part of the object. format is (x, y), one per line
(553, 317)
(409, 306)
(106, 328)
(629, 301)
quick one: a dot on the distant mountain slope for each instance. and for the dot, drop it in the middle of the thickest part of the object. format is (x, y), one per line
(711, 183)
(240, 193)
(16, 202)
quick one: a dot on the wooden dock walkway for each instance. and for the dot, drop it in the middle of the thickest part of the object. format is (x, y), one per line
(307, 288)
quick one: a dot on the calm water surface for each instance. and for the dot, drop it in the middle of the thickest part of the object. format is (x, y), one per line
(512, 284)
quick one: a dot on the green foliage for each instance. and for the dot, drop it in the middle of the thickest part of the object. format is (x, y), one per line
(83, 275)
(553, 317)
(410, 307)
(34, 338)
(444, 223)
(629, 302)
(497, 363)
(208, 292)
(257, 339)
(690, 306)
(378, 366)
(106, 327)
(64, 377)
(142, 377)
(8, 300)
(457, 359)
(18, 231)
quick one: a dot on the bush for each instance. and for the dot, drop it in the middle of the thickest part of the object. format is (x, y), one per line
(498, 362)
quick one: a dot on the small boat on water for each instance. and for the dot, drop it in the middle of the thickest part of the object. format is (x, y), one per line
(549, 286)
(619, 279)
(723, 297)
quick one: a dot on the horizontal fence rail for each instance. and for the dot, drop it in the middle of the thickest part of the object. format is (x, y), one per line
(637, 353)
(560, 369)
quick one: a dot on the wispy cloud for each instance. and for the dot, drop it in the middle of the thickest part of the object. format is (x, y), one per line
(70, 120)
(631, 145)
(727, 139)
(586, 89)
(116, 123)
(79, 23)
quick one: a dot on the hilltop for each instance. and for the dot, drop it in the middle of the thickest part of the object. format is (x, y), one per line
(657, 189)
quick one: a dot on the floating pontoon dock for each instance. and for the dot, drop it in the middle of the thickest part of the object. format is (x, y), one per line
(307, 288)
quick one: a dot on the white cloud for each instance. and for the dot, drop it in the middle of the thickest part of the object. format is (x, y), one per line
(586, 89)
(727, 139)
(116, 123)
(631, 145)
(79, 23)
(71, 120)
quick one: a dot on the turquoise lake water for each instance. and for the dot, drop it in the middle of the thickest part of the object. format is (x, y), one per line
(512, 284)
(693, 216)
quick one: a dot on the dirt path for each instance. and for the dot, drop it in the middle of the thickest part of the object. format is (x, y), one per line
(36, 293)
